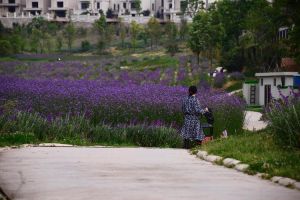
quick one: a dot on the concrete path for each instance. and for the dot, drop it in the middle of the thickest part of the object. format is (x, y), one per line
(253, 122)
(43, 173)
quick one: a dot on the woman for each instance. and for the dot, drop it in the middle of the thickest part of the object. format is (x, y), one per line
(192, 130)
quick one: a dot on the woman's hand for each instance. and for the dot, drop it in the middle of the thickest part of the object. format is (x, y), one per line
(206, 109)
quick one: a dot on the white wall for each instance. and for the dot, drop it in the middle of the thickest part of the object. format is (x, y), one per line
(289, 81)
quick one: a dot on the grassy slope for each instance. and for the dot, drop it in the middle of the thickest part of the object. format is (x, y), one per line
(260, 151)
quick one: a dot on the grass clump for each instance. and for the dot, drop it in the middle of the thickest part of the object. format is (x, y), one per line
(260, 151)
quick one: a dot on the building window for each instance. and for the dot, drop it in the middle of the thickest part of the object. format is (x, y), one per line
(170, 6)
(98, 5)
(114, 6)
(153, 7)
(283, 81)
(60, 4)
(85, 5)
(118, 7)
(11, 1)
(124, 5)
(275, 82)
(35, 4)
(12, 9)
(261, 81)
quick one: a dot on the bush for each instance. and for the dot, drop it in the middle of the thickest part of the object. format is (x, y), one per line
(219, 80)
(85, 45)
(5, 48)
(285, 122)
(31, 127)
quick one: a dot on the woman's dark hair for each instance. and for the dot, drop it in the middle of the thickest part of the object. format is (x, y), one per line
(192, 90)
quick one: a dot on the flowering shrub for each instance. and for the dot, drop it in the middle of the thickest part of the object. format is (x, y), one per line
(219, 80)
(117, 103)
(284, 117)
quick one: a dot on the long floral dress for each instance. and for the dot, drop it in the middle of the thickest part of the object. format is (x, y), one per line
(191, 109)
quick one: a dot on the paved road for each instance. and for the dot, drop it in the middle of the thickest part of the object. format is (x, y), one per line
(42, 173)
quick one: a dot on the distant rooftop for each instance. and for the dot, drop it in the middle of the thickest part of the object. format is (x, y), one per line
(277, 74)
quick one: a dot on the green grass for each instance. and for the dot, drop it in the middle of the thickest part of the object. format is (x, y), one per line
(152, 63)
(259, 150)
(255, 108)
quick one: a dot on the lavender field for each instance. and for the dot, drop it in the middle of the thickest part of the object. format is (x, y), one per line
(107, 95)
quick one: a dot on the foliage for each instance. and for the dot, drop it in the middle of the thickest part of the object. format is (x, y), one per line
(102, 29)
(5, 48)
(204, 35)
(134, 32)
(284, 120)
(32, 128)
(171, 40)
(70, 33)
(85, 45)
(192, 7)
(153, 30)
(136, 4)
(260, 151)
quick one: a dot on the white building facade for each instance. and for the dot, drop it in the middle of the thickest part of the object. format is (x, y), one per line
(270, 86)
(22, 11)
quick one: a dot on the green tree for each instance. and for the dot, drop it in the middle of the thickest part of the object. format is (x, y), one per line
(122, 32)
(134, 32)
(184, 29)
(70, 33)
(137, 6)
(101, 27)
(200, 34)
(171, 38)
(59, 43)
(153, 31)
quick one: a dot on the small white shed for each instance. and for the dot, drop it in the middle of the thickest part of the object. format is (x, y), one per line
(267, 86)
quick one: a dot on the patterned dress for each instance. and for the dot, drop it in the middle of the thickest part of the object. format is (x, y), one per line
(192, 127)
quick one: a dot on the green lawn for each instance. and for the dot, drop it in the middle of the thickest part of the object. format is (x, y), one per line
(259, 150)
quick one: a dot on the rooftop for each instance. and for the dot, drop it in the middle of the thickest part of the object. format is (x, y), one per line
(266, 74)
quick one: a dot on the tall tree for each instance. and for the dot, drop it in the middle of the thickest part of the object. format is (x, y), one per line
(101, 27)
(171, 38)
(134, 32)
(153, 30)
(69, 33)
(203, 35)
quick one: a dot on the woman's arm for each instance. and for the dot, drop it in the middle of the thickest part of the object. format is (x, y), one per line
(198, 108)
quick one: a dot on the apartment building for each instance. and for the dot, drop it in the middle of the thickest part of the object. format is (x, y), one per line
(88, 10)
(11, 6)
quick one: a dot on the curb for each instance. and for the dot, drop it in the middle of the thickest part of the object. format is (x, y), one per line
(241, 167)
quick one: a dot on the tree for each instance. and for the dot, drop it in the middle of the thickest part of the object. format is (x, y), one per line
(122, 31)
(171, 40)
(200, 34)
(101, 27)
(137, 5)
(70, 33)
(184, 29)
(59, 43)
(134, 32)
(192, 7)
(153, 30)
